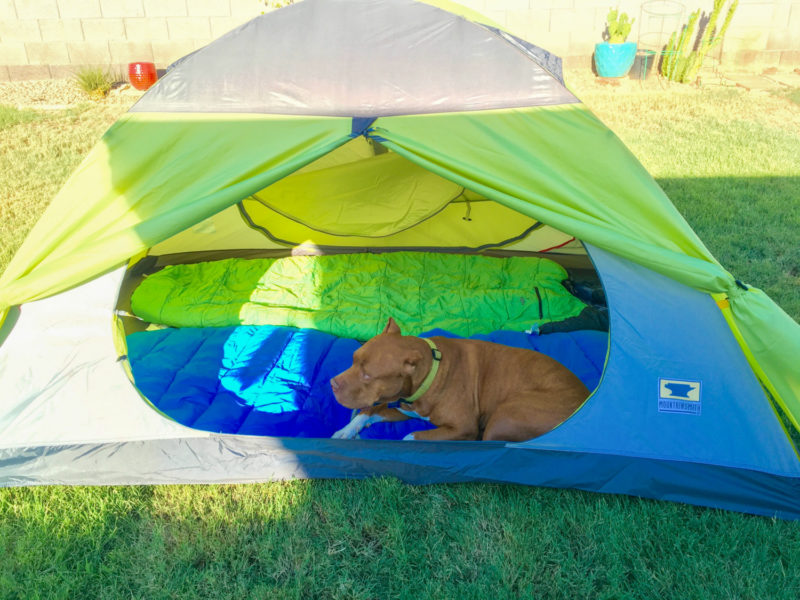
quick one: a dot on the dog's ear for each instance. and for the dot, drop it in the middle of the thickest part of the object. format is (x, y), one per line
(411, 362)
(391, 327)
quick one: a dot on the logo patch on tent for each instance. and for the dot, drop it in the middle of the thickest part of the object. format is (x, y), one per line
(679, 396)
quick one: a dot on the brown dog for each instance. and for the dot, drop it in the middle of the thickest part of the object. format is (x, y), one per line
(478, 390)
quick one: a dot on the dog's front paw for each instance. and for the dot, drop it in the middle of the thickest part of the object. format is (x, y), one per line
(409, 437)
(350, 431)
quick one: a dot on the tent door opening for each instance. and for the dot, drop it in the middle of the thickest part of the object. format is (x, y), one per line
(245, 341)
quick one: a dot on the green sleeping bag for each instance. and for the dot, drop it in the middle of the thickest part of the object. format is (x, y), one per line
(353, 295)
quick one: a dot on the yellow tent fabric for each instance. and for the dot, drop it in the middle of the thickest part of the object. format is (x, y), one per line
(375, 196)
(154, 175)
(564, 165)
(605, 197)
(150, 177)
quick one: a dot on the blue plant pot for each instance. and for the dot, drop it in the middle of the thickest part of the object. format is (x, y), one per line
(614, 60)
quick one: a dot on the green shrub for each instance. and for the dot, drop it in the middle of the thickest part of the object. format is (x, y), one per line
(277, 3)
(95, 81)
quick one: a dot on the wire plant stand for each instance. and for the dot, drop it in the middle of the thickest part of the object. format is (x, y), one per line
(658, 20)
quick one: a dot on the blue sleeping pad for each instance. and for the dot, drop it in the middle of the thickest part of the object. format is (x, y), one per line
(275, 381)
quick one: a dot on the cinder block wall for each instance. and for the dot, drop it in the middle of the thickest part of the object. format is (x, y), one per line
(41, 39)
(53, 38)
(762, 33)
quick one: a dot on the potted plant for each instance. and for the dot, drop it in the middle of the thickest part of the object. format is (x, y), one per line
(614, 56)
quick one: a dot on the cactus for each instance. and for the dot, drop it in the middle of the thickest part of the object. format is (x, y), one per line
(618, 26)
(678, 65)
(673, 65)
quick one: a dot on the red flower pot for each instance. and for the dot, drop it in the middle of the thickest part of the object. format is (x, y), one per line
(142, 74)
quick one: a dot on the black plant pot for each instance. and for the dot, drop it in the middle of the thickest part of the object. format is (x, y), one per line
(642, 64)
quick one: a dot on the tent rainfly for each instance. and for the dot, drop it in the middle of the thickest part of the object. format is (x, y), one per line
(287, 157)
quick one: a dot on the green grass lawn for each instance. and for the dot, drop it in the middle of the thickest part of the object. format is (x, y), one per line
(730, 160)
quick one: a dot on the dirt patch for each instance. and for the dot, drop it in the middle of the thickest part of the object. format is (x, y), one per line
(57, 93)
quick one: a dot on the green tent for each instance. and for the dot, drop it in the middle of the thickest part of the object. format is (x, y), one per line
(385, 125)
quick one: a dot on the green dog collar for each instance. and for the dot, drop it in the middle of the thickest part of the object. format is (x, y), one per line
(426, 383)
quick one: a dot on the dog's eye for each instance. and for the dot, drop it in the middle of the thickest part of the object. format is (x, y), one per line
(365, 376)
